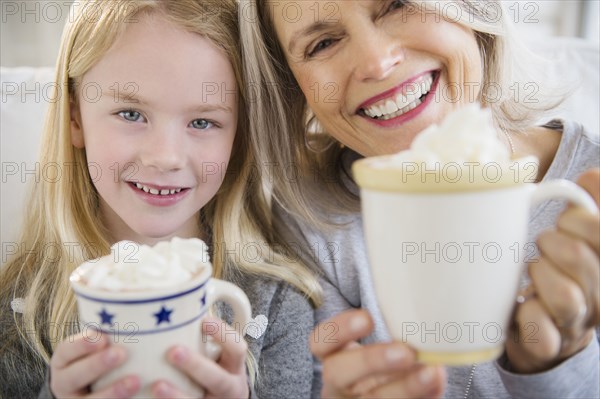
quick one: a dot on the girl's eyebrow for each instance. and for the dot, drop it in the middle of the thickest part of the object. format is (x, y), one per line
(206, 107)
(130, 98)
(313, 28)
(123, 96)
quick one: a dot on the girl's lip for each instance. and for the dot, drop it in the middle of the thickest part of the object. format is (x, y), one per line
(158, 199)
(401, 119)
(393, 92)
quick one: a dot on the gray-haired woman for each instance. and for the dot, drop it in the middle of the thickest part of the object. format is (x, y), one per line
(340, 67)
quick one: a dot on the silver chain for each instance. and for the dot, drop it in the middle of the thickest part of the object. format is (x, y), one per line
(510, 142)
(470, 381)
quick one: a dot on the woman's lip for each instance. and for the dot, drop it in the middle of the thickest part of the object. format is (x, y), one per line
(401, 119)
(391, 93)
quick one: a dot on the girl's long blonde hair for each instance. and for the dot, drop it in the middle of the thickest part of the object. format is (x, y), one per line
(281, 114)
(63, 227)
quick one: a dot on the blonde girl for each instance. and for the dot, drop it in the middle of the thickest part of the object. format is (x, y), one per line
(149, 129)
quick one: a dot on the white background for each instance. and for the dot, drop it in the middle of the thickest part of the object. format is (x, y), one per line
(30, 30)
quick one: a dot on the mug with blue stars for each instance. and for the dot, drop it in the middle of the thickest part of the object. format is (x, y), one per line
(147, 322)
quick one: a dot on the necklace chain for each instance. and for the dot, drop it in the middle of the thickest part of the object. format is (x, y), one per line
(510, 142)
(470, 381)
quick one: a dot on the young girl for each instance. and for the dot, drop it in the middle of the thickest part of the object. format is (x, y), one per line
(150, 133)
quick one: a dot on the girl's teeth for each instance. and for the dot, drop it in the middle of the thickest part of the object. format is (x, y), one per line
(157, 192)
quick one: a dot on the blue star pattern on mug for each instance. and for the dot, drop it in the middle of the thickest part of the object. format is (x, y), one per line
(163, 315)
(160, 312)
(105, 317)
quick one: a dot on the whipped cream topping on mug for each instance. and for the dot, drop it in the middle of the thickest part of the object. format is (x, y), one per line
(132, 267)
(466, 135)
(462, 153)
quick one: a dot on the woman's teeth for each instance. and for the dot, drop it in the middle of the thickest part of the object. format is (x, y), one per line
(402, 103)
(157, 192)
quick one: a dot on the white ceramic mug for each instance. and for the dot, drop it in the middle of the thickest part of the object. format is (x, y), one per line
(446, 265)
(147, 323)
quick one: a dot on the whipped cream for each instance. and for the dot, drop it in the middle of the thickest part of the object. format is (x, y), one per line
(463, 153)
(132, 267)
(465, 136)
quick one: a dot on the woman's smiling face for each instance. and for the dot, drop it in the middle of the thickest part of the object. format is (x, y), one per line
(376, 73)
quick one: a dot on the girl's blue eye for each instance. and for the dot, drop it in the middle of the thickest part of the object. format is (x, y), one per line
(131, 115)
(201, 124)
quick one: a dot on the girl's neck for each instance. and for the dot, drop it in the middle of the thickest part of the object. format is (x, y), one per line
(118, 230)
(151, 241)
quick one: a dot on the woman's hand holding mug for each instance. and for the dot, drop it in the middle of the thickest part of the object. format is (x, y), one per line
(379, 370)
(561, 307)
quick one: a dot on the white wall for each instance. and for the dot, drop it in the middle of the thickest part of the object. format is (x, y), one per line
(30, 30)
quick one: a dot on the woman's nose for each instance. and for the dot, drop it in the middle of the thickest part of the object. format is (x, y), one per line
(376, 51)
(163, 149)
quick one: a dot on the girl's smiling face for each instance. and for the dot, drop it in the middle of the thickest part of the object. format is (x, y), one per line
(376, 73)
(157, 116)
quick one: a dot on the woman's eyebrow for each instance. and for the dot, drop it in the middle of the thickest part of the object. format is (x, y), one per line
(315, 27)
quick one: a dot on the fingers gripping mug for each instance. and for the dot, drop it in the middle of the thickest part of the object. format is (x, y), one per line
(149, 299)
(447, 258)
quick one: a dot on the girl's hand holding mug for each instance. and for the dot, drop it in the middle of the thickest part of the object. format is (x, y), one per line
(222, 378)
(561, 307)
(79, 361)
(379, 370)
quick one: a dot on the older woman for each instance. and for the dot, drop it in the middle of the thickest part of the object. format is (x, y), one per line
(330, 82)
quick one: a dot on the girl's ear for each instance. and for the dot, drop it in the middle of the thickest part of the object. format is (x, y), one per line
(76, 128)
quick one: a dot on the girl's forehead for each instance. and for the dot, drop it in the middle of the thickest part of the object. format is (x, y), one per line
(156, 60)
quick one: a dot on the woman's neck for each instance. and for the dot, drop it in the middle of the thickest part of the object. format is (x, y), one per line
(539, 142)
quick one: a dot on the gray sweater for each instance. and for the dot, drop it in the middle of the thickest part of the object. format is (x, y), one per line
(342, 256)
(284, 362)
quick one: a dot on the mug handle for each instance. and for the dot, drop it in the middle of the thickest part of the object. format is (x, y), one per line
(564, 189)
(219, 290)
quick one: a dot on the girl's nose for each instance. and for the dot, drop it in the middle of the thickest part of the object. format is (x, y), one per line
(163, 149)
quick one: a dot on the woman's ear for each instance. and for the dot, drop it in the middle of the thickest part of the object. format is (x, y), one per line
(76, 127)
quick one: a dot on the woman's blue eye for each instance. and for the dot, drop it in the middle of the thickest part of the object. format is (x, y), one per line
(130, 115)
(397, 4)
(322, 45)
(201, 124)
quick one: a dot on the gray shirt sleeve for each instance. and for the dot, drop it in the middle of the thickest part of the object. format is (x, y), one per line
(21, 369)
(576, 377)
(45, 392)
(284, 359)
